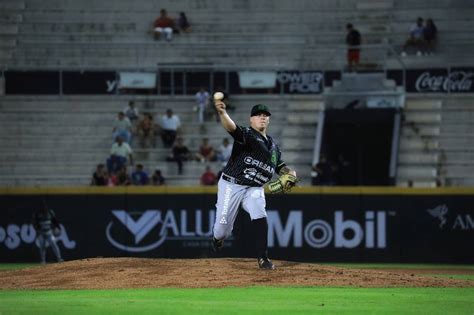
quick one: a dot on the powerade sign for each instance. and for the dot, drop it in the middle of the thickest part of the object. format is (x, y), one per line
(304, 82)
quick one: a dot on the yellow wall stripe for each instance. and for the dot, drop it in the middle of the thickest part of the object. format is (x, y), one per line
(147, 190)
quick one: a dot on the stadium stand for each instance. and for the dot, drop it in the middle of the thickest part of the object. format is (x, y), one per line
(42, 144)
(305, 34)
(58, 140)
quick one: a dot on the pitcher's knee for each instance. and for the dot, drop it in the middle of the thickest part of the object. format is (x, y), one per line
(221, 233)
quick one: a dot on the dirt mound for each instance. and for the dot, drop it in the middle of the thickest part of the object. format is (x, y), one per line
(112, 273)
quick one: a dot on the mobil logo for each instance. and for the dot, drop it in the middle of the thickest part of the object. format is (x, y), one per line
(339, 232)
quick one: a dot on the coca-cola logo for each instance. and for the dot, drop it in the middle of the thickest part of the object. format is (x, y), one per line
(456, 81)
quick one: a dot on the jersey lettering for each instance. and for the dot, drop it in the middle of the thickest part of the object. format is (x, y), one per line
(254, 158)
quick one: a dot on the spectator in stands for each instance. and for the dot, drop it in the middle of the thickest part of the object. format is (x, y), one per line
(202, 100)
(157, 179)
(123, 179)
(183, 23)
(100, 176)
(164, 24)
(131, 112)
(416, 38)
(206, 152)
(353, 40)
(179, 154)
(430, 33)
(120, 153)
(208, 178)
(146, 131)
(122, 128)
(322, 173)
(139, 176)
(170, 125)
(224, 151)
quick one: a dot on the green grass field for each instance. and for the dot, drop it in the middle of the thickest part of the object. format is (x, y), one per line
(251, 300)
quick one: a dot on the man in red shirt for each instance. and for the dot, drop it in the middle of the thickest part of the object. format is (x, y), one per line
(164, 24)
(208, 178)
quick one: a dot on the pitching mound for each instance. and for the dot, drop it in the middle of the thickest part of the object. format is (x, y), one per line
(112, 273)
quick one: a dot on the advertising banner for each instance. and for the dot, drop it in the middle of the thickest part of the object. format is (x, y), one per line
(430, 80)
(302, 227)
(137, 80)
(257, 80)
(32, 82)
(301, 82)
(456, 80)
(89, 82)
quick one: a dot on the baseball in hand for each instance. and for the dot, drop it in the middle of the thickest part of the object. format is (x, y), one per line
(218, 96)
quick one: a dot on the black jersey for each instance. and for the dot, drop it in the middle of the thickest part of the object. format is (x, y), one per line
(254, 158)
(44, 222)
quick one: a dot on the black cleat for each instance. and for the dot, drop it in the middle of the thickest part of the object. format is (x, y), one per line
(265, 263)
(217, 245)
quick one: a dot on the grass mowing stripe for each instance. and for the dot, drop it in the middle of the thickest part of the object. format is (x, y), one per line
(252, 300)
(399, 266)
(450, 276)
(16, 266)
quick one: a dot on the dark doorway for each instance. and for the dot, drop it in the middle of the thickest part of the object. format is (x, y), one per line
(357, 144)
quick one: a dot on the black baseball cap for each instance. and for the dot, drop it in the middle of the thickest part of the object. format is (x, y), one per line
(258, 109)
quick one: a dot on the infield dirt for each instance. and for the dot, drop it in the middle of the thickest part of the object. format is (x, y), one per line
(114, 273)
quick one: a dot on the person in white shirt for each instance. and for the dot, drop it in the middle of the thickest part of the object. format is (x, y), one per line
(120, 153)
(122, 128)
(416, 38)
(131, 112)
(202, 99)
(224, 152)
(169, 125)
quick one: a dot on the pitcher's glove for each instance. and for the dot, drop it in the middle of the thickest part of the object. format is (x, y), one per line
(283, 184)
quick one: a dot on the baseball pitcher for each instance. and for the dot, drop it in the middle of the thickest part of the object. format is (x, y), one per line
(255, 158)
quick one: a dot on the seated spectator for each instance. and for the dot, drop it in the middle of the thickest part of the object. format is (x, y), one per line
(416, 38)
(100, 176)
(183, 23)
(169, 128)
(123, 179)
(179, 154)
(131, 112)
(206, 152)
(146, 131)
(322, 173)
(140, 177)
(224, 152)
(122, 128)
(208, 178)
(430, 35)
(157, 179)
(119, 153)
(164, 24)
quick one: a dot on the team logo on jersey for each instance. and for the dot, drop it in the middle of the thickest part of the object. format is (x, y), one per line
(274, 158)
(253, 162)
